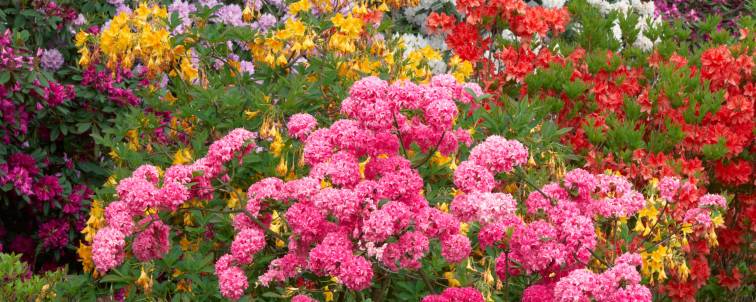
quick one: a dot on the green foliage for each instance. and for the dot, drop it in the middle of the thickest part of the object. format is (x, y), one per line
(19, 284)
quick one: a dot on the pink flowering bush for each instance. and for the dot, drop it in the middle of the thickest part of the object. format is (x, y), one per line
(364, 216)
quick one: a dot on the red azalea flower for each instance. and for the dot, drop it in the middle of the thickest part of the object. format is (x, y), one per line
(734, 174)
(699, 271)
(440, 22)
(466, 42)
(680, 291)
(730, 239)
(730, 281)
(718, 65)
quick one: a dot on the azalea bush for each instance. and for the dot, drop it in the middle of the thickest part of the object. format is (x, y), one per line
(365, 211)
(666, 114)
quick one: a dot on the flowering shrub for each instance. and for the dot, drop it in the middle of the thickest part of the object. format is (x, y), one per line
(361, 213)
(651, 115)
(49, 163)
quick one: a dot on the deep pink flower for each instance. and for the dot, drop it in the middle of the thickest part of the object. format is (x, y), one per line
(498, 154)
(154, 241)
(247, 243)
(455, 248)
(108, 249)
(47, 188)
(300, 125)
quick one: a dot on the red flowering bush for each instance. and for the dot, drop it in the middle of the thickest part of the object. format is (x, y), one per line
(483, 22)
(657, 115)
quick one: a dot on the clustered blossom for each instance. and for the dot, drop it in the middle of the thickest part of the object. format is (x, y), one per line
(54, 234)
(51, 59)
(566, 237)
(107, 248)
(153, 241)
(456, 294)
(55, 93)
(231, 279)
(301, 125)
(619, 283)
(141, 192)
(183, 9)
(464, 38)
(340, 228)
(104, 83)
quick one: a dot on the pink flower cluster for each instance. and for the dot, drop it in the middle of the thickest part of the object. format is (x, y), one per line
(231, 279)
(619, 283)
(141, 192)
(564, 237)
(456, 294)
(301, 125)
(55, 94)
(588, 194)
(21, 169)
(380, 215)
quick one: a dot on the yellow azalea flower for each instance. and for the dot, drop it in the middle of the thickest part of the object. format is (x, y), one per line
(511, 188)
(280, 243)
(488, 278)
(85, 257)
(114, 154)
(461, 69)
(150, 211)
(111, 181)
(327, 294)
(440, 159)
(325, 184)
(453, 282)
(453, 165)
(188, 219)
(281, 60)
(145, 282)
(248, 14)
(276, 223)
(282, 167)
(277, 145)
(169, 97)
(654, 182)
(299, 6)
(84, 60)
(717, 220)
(251, 114)
(188, 245)
(464, 228)
(182, 156)
(95, 222)
(235, 199)
(653, 263)
(683, 271)
(81, 38)
(132, 137)
(188, 71)
(711, 237)
(141, 35)
(444, 207)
